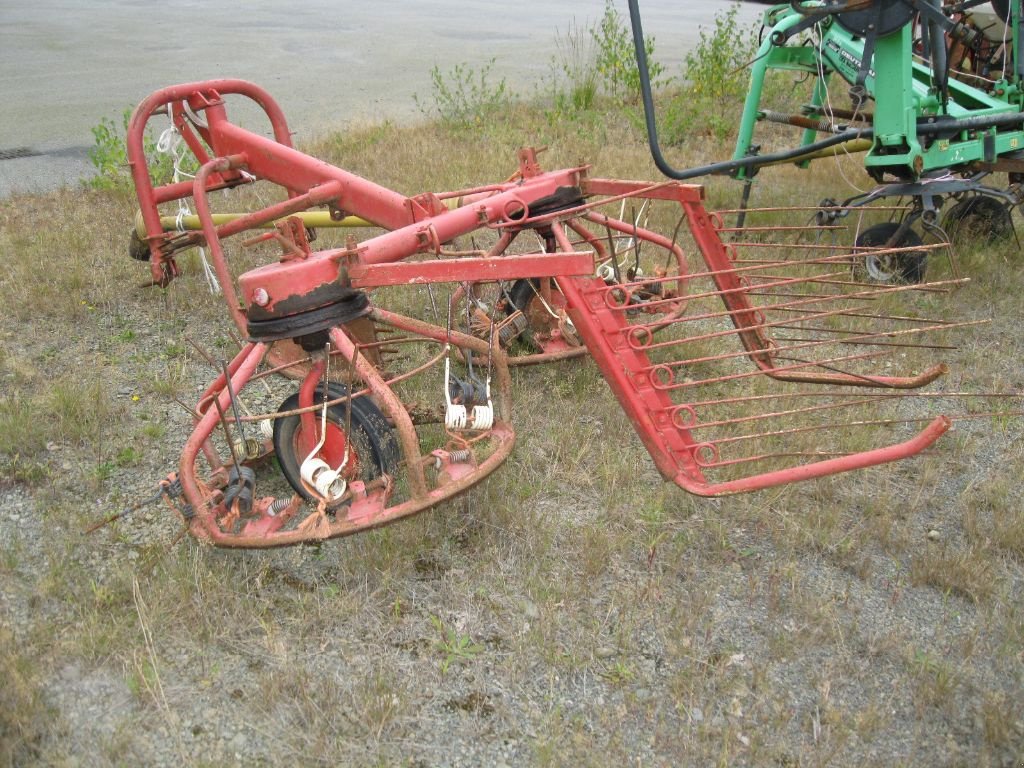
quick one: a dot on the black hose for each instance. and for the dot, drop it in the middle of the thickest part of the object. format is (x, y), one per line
(726, 166)
(926, 126)
(932, 125)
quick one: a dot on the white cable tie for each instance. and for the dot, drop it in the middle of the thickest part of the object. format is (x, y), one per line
(455, 414)
(211, 275)
(266, 429)
(483, 417)
(195, 118)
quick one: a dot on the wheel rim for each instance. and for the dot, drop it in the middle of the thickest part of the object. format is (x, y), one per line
(371, 444)
(882, 269)
(979, 217)
(892, 268)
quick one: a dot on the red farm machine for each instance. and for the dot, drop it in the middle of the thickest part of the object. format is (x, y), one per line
(741, 364)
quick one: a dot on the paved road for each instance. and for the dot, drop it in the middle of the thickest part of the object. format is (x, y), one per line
(66, 64)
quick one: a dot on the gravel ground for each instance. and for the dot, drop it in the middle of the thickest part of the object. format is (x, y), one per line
(560, 614)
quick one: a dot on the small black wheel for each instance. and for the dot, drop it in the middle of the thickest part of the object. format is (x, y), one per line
(897, 267)
(138, 248)
(373, 447)
(543, 316)
(978, 219)
(522, 293)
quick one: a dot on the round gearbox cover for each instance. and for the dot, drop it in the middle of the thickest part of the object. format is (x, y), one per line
(881, 18)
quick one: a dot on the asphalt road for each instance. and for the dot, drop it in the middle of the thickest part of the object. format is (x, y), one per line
(65, 65)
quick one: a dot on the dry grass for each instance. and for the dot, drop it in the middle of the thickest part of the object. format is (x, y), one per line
(613, 619)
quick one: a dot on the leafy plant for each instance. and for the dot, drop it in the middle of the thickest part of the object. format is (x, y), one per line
(716, 75)
(465, 96)
(616, 57)
(453, 646)
(574, 71)
(109, 156)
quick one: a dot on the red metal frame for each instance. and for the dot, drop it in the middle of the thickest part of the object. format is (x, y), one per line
(603, 313)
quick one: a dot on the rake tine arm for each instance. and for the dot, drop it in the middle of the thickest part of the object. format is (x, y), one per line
(862, 460)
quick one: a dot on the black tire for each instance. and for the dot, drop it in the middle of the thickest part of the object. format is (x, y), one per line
(521, 293)
(138, 248)
(895, 268)
(978, 218)
(1002, 9)
(374, 441)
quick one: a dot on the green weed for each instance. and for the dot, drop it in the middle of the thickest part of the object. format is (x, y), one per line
(616, 57)
(109, 156)
(454, 647)
(715, 77)
(464, 96)
(574, 83)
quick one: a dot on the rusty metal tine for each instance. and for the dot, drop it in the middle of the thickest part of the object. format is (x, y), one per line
(794, 228)
(815, 299)
(822, 427)
(808, 209)
(779, 455)
(875, 291)
(775, 370)
(880, 395)
(875, 343)
(827, 365)
(778, 414)
(907, 318)
(192, 411)
(227, 432)
(783, 323)
(203, 353)
(234, 402)
(817, 344)
(717, 293)
(794, 246)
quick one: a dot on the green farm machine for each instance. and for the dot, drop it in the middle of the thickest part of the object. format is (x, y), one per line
(935, 101)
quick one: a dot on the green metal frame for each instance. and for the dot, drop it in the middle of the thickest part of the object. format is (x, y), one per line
(903, 95)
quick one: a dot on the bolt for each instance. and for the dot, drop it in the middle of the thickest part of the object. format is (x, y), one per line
(260, 297)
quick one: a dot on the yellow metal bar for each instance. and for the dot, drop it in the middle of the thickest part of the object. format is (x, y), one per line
(191, 223)
(846, 148)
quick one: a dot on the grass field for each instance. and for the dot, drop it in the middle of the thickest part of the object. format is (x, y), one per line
(573, 610)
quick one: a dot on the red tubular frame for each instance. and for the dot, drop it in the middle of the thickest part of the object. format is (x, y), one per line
(421, 225)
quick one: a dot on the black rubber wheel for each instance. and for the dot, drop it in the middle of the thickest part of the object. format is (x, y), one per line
(522, 293)
(978, 219)
(894, 268)
(138, 248)
(374, 442)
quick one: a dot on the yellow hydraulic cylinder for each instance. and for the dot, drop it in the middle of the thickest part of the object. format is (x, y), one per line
(190, 223)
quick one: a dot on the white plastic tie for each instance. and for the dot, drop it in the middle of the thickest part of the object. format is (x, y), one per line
(170, 144)
(455, 414)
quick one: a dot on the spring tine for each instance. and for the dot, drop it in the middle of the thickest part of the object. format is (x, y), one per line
(826, 427)
(812, 344)
(874, 395)
(803, 366)
(203, 353)
(234, 402)
(227, 432)
(776, 414)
